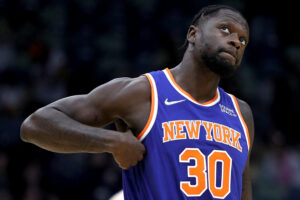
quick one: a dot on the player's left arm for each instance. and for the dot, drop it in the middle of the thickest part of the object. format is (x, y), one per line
(248, 117)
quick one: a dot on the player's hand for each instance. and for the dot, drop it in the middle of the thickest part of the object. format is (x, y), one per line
(128, 151)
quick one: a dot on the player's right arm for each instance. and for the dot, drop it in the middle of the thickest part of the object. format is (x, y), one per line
(74, 124)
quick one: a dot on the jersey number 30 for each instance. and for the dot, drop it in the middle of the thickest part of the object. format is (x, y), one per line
(206, 178)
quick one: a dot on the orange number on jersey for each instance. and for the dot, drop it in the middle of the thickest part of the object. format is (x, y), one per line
(222, 157)
(198, 171)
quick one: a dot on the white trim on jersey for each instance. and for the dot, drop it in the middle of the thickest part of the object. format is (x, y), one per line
(237, 110)
(183, 93)
(154, 107)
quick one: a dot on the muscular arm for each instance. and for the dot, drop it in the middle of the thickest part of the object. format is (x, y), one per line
(247, 115)
(73, 124)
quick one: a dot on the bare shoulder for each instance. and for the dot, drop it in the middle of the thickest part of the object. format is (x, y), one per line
(129, 101)
(248, 117)
(123, 84)
(135, 87)
(122, 93)
(125, 89)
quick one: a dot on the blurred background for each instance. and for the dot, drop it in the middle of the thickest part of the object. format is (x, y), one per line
(53, 49)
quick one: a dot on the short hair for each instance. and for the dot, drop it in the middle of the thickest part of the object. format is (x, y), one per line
(209, 10)
(206, 11)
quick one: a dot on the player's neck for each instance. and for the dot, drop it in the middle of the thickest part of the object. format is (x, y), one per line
(196, 79)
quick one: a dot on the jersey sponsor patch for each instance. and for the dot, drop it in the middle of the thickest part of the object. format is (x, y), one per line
(227, 110)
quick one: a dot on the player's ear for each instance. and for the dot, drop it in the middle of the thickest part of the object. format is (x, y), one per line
(191, 35)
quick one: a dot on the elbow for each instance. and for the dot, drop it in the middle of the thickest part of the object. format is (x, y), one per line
(25, 130)
(30, 126)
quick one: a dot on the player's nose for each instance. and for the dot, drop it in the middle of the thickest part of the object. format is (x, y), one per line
(234, 41)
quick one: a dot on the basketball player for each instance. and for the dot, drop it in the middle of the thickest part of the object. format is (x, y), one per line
(180, 135)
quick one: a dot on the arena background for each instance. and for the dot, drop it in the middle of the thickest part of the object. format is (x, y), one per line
(53, 49)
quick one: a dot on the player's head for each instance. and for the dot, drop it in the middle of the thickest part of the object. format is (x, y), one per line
(217, 38)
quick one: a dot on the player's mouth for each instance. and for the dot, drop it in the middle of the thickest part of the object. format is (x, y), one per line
(228, 55)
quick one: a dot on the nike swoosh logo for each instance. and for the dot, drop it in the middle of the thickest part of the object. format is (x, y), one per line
(168, 103)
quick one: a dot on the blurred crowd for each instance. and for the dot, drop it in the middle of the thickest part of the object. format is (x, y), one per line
(53, 49)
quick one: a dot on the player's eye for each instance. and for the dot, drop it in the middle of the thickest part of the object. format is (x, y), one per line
(243, 41)
(225, 28)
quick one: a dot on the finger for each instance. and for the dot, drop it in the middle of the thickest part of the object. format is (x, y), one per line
(135, 163)
(140, 157)
(124, 167)
(143, 149)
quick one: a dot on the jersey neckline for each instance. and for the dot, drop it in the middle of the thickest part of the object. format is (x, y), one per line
(172, 81)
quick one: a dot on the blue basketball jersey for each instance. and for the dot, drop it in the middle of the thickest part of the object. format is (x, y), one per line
(193, 150)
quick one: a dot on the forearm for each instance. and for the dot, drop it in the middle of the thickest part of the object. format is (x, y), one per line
(53, 130)
(247, 185)
(247, 191)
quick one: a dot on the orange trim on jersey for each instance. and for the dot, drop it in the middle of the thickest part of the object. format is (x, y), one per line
(152, 107)
(243, 121)
(186, 93)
